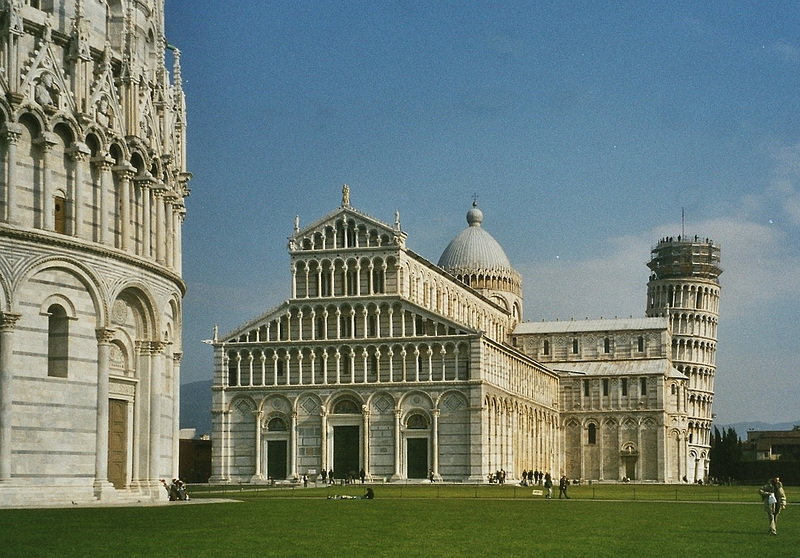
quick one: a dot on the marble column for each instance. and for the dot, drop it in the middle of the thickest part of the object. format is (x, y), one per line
(144, 184)
(156, 380)
(293, 444)
(161, 233)
(257, 474)
(323, 417)
(176, 411)
(169, 224)
(397, 463)
(219, 469)
(435, 444)
(180, 215)
(46, 142)
(365, 440)
(104, 163)
(12, 133)
(7, 323)
(125, 173)
(140, 446)
(79, 152)
(102, 488)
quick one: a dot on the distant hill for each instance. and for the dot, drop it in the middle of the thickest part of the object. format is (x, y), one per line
(196, 406)
(741, 428)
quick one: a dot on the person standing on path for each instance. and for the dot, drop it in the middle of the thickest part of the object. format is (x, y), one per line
(774, 499)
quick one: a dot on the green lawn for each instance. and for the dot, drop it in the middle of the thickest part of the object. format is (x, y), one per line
(425, 520)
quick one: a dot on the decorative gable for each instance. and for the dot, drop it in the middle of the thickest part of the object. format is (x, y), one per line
(346, 228)
(104, 103)
(43, 79)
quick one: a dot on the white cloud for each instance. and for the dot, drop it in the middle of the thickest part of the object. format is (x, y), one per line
(611, 284)
(786, 177)
(759, 268)
(785, 51)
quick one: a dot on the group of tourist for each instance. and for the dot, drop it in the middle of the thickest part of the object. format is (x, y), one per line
(370, 495)
(498, 477)
(176, 490)
(533, 477)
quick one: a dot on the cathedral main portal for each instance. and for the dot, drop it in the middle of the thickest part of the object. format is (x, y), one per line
(417, 458)
(276, 459)
(345, 451)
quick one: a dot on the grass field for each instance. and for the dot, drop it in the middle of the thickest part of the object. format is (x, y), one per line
(416, 520)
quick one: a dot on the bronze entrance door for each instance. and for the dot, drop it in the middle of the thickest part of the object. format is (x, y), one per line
(117, 442)
(276, 459)
(417, 458)
(630, 467)
(345, 451)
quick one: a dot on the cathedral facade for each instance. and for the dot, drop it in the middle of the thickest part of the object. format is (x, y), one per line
(386, 363)
(92, 188)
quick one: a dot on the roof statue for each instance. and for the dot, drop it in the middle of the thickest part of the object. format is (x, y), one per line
(345, 195)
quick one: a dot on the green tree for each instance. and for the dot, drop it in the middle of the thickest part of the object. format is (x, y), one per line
(725, 454)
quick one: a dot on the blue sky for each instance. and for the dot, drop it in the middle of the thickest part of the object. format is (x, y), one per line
(584, 128)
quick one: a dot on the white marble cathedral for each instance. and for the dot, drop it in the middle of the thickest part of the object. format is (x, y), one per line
(92, 191)
(386, 362)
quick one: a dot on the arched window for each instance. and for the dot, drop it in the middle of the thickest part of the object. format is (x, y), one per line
(546, 349)
(277, 425)
(346, 407)
(640, 342)
(417, 421)
(60, 215)
(606, 345)
(325, 279)
(57, 342)
(575, 346)
(592, 434)
(233, 376)
(378, 280)
(344, 326)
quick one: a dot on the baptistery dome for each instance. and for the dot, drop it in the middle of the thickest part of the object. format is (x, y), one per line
(477, 259)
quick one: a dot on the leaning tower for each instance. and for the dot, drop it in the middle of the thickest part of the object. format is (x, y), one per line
(684, 284)
(92, 188)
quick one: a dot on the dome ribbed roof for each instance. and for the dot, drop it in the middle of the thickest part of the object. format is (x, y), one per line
(474, 250)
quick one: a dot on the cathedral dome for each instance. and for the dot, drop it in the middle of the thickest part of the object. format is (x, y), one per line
(474, 250)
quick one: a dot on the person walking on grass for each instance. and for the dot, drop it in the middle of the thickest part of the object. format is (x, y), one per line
(548, 484)
(562, 487)
(774, 499)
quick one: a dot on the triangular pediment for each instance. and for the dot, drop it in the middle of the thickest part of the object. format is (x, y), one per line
(45, 83)
(244, 332)
(148, 127)
(428, 324)
(451, 327)
(346, 227)
(104, 104)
